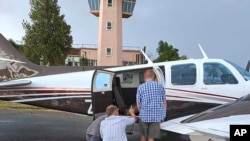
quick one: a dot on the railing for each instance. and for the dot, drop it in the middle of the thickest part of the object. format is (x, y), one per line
(94, 46)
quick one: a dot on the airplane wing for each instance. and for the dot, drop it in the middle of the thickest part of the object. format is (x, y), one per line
(218, 128)
(14, 83)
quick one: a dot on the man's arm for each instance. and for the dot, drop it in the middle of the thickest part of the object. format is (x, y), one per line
(132, 113)
(101, 133)
(165, 103)
(138, 106)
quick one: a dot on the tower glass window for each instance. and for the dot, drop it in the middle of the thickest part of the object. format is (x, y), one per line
(109, 25)
(109, 3)
(94, 5)
(109, 52)
(128, 6)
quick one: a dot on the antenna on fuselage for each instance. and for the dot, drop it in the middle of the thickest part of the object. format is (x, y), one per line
(146, 57)
(203, 52)
(248, 66)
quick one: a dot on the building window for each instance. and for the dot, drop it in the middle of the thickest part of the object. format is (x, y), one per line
(109, 52)
(109, 25)
(92, 62)
(110, 3)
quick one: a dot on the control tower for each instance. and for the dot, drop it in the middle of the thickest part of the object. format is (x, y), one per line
(110, 13)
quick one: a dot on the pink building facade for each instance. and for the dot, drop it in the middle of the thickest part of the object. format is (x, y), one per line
(110, 14)
(129, 56)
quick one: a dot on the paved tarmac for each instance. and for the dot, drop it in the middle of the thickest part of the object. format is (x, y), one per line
(46, 125)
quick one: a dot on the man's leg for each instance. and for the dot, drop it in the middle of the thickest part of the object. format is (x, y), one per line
(143, 138)
(144, 130)
(95, 138)
(154, 131)
(88, 137)
(150, 139)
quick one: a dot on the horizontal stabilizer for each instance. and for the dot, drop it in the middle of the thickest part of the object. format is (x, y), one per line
(10, 60)
(14, 83)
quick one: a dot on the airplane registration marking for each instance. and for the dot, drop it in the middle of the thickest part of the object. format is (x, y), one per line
(90, 106)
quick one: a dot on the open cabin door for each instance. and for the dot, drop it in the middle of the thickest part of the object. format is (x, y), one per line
(101, 91)
(159, 75)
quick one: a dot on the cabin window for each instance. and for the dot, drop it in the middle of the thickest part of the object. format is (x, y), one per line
(109, 25)
(102, 81)
(129, 79)
(183, 74)
(133, 78)
(216, 73)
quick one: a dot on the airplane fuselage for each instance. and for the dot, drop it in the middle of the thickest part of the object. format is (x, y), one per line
(191, 86)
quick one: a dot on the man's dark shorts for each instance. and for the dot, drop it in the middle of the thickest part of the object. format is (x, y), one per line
(150, 129)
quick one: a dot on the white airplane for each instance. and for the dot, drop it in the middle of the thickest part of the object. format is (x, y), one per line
(213, 124)
(192, 86)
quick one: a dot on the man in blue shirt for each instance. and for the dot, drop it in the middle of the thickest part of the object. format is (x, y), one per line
(152, 104)
(113, 127)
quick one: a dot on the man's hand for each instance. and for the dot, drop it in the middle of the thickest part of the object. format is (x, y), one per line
(131, 110)
(132, 113)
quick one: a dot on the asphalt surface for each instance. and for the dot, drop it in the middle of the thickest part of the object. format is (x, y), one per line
(46, 125)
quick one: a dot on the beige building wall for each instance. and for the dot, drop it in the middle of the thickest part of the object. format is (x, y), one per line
(110, 34)
(128, 57)
(89, 53)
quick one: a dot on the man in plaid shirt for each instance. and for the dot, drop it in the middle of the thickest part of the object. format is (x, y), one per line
(152, 104)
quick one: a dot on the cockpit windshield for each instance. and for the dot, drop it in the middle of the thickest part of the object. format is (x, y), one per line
(245, 74)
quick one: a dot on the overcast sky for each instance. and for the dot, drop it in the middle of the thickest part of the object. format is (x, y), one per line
(222, 27)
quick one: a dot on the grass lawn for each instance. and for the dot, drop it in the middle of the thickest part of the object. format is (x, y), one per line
(5, 105)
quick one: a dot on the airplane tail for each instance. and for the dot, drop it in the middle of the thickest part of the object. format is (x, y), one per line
(14, 69)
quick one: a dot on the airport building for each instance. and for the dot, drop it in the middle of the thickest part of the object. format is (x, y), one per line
(130, 55)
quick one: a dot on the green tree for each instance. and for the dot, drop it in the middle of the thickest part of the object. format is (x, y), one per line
(183, 57)
(48, 35)
(166, 52)
(83, 61)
